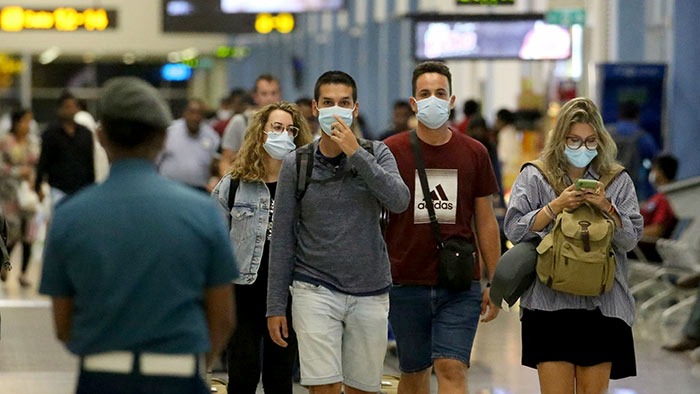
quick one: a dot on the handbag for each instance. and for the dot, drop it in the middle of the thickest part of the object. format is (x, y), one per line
(27, 199)
(456, 263)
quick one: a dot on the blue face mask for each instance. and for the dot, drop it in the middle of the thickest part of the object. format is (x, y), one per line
(580, 157)
(326, 119)
(433, 112)
(278, 144)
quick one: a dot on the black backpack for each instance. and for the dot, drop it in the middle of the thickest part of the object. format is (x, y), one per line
(305, 165)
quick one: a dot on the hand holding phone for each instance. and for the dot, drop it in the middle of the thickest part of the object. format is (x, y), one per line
(586, 184)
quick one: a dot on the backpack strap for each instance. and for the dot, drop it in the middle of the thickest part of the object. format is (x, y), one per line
(305, 165)
(607, 179)
(539, 164)
(233, 186)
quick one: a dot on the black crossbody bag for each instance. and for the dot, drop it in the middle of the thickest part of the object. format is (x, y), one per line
(456, 265)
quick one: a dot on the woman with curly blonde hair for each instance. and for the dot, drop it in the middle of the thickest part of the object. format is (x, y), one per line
(275, 131)
(577, 343)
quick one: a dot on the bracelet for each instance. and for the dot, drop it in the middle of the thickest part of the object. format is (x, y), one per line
(611, 211)
(551, 210)
(547, 212)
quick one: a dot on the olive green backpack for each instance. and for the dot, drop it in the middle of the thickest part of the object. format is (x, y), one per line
(577, 257)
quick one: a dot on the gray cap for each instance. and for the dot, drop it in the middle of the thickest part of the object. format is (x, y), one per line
(133, 99)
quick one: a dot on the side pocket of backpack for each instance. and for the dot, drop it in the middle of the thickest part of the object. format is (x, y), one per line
(545, 260)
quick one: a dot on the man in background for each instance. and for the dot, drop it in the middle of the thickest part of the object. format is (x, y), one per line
(67, 153)
(190, 148)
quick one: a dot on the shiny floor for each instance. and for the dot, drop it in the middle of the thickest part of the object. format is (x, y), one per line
(33, 362)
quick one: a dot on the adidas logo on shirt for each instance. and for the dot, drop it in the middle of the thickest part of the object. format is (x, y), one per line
(439, 199)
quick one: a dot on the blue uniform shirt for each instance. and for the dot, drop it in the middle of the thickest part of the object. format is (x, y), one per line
(136, 253)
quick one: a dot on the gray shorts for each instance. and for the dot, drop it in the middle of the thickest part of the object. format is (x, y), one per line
(342, 338)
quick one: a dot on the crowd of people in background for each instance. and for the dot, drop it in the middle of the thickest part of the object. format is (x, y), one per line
(313, 268)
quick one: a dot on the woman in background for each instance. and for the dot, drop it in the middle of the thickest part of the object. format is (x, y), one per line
(18, 158)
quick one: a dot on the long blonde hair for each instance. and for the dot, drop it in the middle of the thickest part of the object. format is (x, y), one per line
(577, 110)
(250, 161)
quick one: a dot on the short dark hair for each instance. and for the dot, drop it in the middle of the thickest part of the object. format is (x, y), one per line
(628, 110)
(505, 116)
(667, 164)
(431, 67)
(335, 77)
(471, 107)
(303, 101)
(476, 122)
(402, 104)
(17, 115)
(129, 134)
(237, 92)
(265, 77)
(67, 95)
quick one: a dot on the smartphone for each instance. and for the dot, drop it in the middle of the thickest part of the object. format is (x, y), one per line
(586, 184)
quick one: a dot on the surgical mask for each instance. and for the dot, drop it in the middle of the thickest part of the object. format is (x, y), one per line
(224, 114)
(278, 144)
(326, 119)
(433, 112)
(652, 178)
(580, 157)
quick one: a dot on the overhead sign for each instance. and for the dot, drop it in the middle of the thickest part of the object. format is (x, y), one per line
(566, 16)
(485, 2)
(16, 19)
(206, 16)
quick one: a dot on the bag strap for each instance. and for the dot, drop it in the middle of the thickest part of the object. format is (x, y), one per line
(608, 179)
(420, 167)
(305, 166)
(233, 186)
(539, 164)
(4, 254)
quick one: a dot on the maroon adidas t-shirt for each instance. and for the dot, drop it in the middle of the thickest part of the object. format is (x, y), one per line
(458, 172)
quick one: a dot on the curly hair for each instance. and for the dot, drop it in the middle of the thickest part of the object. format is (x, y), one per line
(577, 110)
(250, 161)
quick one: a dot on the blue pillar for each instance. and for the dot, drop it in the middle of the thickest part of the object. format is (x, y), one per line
(631, 30)
(685, 89)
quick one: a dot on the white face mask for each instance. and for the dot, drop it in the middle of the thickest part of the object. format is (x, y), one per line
(433, 112)
(278, 144)
(652, 178)
(223, 114)
(326, 118)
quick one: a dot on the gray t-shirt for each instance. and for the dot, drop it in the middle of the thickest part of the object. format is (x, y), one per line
(235, 131)
(332, 235)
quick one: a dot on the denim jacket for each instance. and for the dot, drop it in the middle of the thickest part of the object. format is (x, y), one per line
(249, 219)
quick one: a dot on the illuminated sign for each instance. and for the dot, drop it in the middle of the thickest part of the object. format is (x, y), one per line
(485, 2)
(8, 68)
(16, 18)
(176, 72)
(237, 52)
(265, 23)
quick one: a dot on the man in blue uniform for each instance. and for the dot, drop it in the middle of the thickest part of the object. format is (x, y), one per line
(139, 267)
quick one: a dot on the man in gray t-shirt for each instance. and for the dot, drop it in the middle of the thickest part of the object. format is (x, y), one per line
(266, 91)
(327, 245)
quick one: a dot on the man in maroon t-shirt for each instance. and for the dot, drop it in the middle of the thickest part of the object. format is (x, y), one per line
(432, 325)
(659, 218)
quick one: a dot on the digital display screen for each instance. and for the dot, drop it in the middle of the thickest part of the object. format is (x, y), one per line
(276, 6)
(505, 37)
